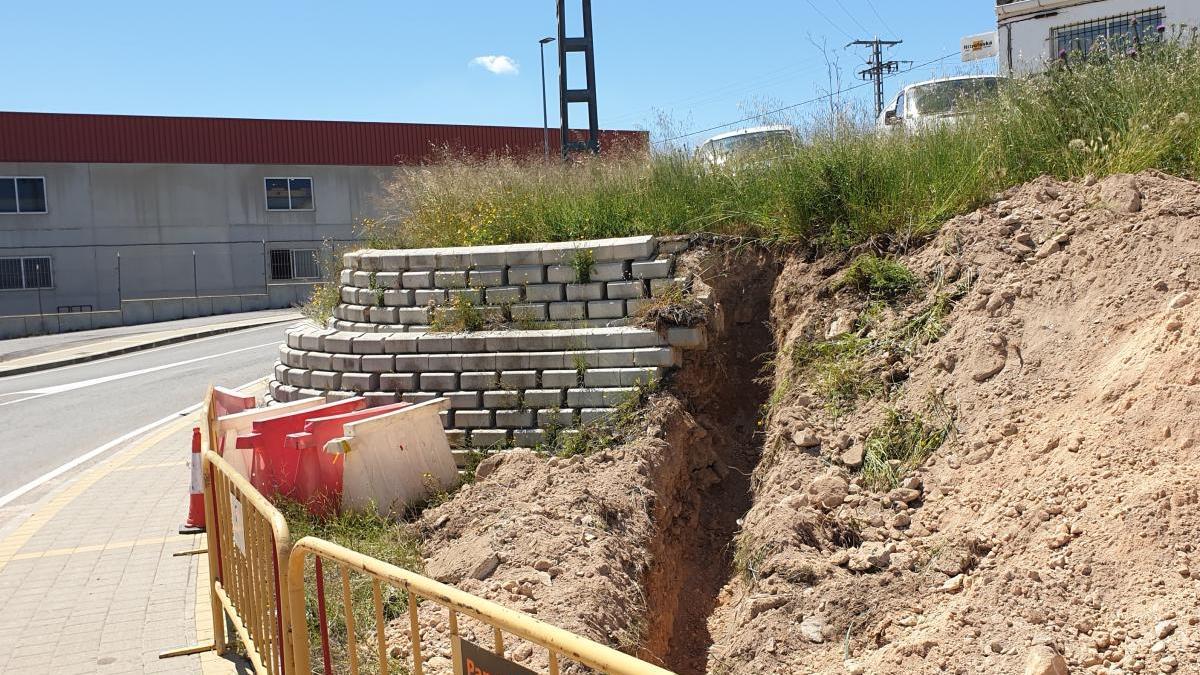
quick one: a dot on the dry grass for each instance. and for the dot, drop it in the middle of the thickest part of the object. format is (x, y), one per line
(842, 186)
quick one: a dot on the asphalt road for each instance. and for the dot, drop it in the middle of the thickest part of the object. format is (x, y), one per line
(52, 417)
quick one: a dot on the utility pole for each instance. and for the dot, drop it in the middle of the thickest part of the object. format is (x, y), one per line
(877, 67)
(586, 95)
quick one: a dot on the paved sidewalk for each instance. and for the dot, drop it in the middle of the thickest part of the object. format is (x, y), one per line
(88, 583)
(24, 355)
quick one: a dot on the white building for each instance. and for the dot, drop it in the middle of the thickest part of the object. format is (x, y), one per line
(1034, 32)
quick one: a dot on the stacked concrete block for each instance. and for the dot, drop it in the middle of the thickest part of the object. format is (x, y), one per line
(566, 356)
(524, 280)
(509, 384)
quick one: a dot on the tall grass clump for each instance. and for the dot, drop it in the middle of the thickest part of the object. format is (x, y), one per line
(902, 443)
(844, 184)
(1131, 108)
(878, 278)
(327, 293)
(836, 371)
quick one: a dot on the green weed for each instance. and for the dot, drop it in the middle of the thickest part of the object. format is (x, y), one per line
(604, 433)
(903, 442)
(372, 535)
(460, 315)
(581, 367)
(748, 556)
(319, 308)
(929, 325)
(878, 278)
(326, 295)
(836, 371)
(583, 262)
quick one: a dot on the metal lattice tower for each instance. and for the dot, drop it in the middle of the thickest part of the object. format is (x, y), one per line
(587, 94)
(877, 67)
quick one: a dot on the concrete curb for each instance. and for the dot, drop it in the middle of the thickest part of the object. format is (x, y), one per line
(175, 339)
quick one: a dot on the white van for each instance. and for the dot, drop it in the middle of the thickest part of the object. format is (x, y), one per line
(755, 143)
(940, 101)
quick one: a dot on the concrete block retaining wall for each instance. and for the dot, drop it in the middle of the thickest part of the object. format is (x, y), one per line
(505, 387)
(526, 285)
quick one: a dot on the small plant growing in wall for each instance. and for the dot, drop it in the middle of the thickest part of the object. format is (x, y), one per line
(581, 368)
(583, 263)
(374, 287)
(551, 430)
(460, 315)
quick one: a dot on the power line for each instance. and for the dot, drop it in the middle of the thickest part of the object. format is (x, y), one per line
(826, 17)
(730, 89)
(881, 19)
(802, 103)
(852, 17)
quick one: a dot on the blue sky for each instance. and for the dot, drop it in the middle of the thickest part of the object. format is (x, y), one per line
(702, 63)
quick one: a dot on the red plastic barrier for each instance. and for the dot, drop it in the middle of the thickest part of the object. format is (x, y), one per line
(274, 466)
(228, 401)
(319, 476)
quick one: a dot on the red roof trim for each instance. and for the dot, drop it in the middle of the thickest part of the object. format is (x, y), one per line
(58, 137)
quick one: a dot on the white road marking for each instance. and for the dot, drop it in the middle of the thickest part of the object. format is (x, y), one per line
(72, 386)
(143, 352)
(55, 473)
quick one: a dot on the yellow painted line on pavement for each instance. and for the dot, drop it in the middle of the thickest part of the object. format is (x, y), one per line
(10, 546)
(92, 548)
(182, 463)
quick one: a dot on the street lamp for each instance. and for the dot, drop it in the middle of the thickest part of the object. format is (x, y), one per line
(545, 115)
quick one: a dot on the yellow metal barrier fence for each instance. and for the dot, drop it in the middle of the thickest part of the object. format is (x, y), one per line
(557, 642)
(248, 548)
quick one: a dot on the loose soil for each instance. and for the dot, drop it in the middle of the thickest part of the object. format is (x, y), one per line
(1062, 515)
(1054, 530)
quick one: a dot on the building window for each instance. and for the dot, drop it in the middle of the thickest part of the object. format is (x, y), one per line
(22, 194)
(301, 263)
(25, 273)
(289, 194)
(1112, 34)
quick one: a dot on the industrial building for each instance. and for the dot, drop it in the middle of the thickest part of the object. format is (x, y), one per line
(1035, 32)
(109, 220)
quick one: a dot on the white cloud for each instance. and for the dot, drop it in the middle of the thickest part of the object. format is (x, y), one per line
(499, 65)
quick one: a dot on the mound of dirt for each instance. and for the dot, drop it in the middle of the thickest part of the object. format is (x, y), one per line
(1056, 527)
(1000, 474)
(566, 540)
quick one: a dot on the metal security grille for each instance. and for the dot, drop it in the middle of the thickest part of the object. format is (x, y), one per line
(1115, 33)
(281, 264)
(305, 264)
(11, 278)
(25, 273)
(37, 273)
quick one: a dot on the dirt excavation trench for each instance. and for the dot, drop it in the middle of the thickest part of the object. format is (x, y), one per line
(724, 391)
(631, 545)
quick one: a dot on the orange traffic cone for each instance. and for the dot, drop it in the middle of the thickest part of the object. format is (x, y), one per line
(195, 519)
